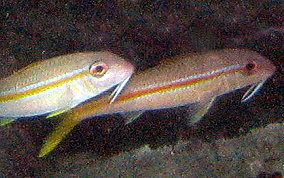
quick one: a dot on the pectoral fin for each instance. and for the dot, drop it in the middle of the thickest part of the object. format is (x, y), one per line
(131, 116)
(6, 121)
(200, 112)
(68, 95)
(64, 127)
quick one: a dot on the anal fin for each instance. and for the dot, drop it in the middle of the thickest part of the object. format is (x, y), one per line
(64, 127)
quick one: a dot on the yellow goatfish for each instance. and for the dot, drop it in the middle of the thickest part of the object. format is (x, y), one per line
(195, 79)
(58, 84)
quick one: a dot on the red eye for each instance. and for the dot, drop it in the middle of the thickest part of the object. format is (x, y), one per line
(250, 66)
(98, 69)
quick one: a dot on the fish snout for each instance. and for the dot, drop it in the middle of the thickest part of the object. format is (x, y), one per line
(269, 68)
(120, 72)
(125, 70)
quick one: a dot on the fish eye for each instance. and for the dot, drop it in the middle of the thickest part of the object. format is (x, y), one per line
(250, 66)
(98, 69)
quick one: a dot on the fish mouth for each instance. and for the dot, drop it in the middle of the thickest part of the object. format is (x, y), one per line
(252, 91)
(118, 89)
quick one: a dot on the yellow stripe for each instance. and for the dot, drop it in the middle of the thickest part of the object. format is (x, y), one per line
(173, 86)
(43, 88)
(94, 105)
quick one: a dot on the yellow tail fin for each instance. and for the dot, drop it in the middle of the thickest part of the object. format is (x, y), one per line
(64, 127)
(6, 121)
(56, 113)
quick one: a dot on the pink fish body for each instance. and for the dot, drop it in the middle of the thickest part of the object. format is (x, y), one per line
(194, 78)
(186, 79)
(60, 83)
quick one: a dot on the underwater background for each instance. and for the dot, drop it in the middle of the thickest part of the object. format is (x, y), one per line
(232, 140)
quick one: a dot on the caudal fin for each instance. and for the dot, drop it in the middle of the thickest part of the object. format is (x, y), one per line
(65, 126)
(6, 121)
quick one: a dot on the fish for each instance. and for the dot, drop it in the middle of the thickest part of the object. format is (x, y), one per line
(56, 85)
(196, 78)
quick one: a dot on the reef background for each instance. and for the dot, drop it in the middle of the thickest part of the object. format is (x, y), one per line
(233, 139)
